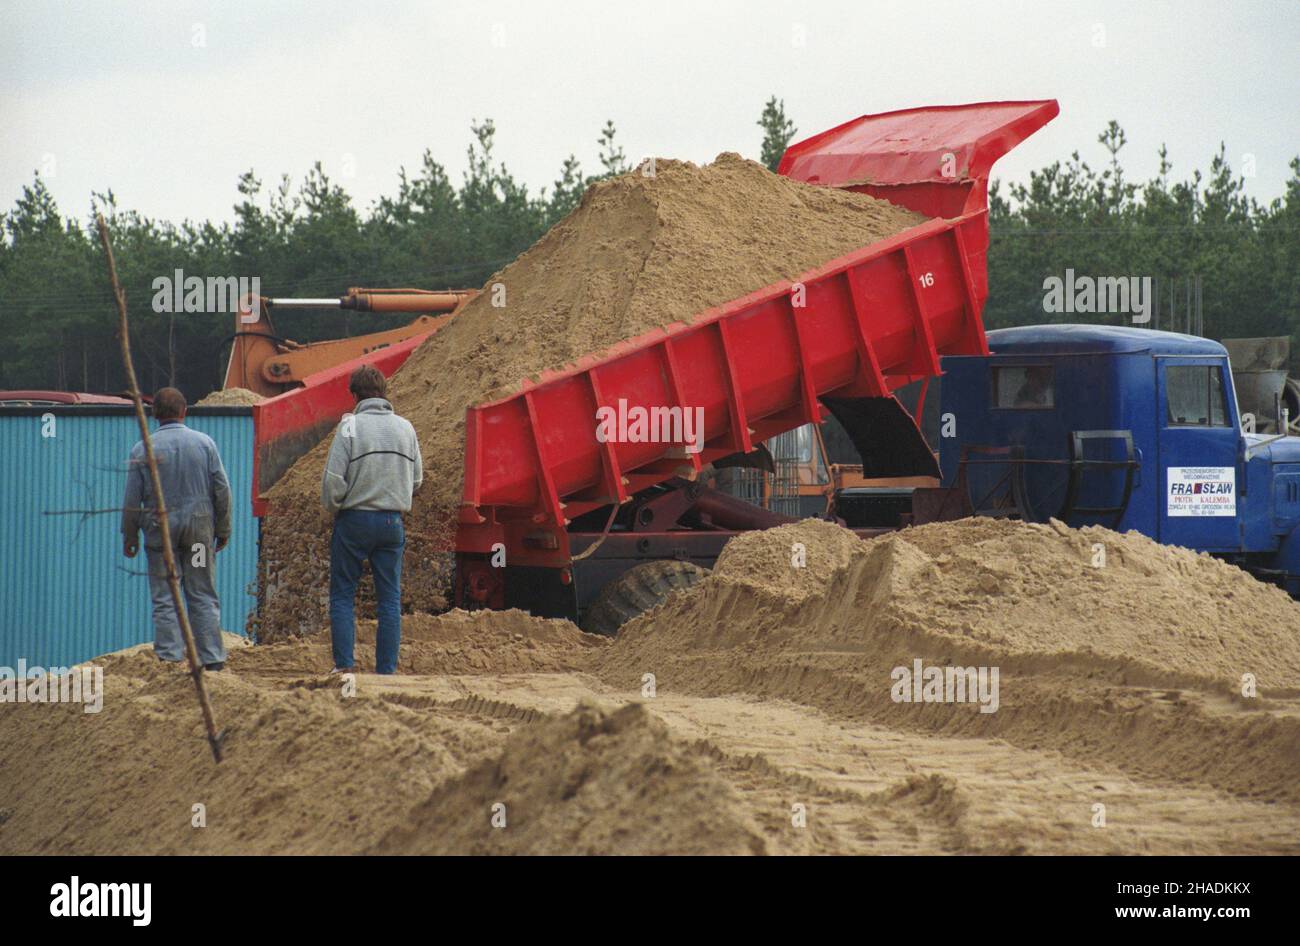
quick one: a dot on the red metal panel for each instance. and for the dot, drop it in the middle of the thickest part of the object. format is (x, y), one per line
(973, 291)
(739, 417)
(935, 160)
(832, 330)
(550, 496)
(770, 381)
(675, 386)
(871, 380)
(925, 353)
(809, 411)
(614, 486)
(499, 439)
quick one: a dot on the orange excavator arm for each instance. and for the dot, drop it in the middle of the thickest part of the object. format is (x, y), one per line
(267, 364)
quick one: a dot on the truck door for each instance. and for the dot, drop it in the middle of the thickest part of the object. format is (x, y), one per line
(1198, 440)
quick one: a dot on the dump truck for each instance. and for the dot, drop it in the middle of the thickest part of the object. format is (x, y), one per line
(560, 521)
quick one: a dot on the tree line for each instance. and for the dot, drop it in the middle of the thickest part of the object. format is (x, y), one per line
(1096, 221)
(310, 239)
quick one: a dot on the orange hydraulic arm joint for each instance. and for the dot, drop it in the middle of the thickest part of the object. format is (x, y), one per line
(265, 363)
(405, 300)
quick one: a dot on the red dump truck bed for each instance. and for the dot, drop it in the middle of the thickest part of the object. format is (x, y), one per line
(859, 326)
(869, 323)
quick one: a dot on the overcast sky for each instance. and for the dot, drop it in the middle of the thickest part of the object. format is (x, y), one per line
(167, 102)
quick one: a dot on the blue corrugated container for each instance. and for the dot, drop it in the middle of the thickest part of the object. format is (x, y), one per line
(67, 593)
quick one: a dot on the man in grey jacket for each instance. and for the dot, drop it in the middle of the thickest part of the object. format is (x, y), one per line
(197, 496)
(373, 468)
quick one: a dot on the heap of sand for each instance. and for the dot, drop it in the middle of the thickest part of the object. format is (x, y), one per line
(1152, 656)
(231, 397)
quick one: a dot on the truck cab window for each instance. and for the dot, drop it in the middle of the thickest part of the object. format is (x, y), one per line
(1023, 387)
(1194, 396)
(803, 443)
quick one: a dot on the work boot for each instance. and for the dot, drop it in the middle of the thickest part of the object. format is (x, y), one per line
(213, 668)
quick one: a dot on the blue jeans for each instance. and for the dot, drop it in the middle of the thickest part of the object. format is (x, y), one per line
(200, 594)
(361, 534)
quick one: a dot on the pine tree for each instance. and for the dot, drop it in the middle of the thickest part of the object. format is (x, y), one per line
(777, 132)
(612, 158)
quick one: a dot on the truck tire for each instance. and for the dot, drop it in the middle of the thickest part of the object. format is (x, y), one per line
(636, 591)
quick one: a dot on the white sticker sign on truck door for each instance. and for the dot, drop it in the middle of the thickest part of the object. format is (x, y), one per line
(1202, 491)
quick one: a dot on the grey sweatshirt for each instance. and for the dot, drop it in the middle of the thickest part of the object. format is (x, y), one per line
(374, 461)
(193, 481)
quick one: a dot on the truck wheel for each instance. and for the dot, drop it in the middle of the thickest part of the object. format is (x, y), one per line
(636, 591)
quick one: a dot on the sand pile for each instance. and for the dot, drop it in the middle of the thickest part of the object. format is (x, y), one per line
(390, 769)
(590, 782)
(790, 562)
(231, 397)
(639, 252)
(1034, 589)
(454, 642)
(305, 770)
(1017, 588)
(1139, 662)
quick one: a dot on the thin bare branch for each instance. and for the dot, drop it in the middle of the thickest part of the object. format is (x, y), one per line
(173, 581)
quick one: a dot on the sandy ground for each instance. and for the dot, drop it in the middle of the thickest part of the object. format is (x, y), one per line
(871, 789)
(769, 729)
(865, 787)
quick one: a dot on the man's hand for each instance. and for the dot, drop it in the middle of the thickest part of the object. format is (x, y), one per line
(221, 543)
(130, 546)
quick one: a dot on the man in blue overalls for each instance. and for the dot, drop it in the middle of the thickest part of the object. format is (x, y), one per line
(197, 496)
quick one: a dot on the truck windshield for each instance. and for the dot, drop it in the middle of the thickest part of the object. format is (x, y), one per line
(1194, 396)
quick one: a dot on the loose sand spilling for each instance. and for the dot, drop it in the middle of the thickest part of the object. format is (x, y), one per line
(231, 397)
(638, 253)
(750, 714)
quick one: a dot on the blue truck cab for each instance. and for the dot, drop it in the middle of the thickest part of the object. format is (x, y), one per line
(1123, 427)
